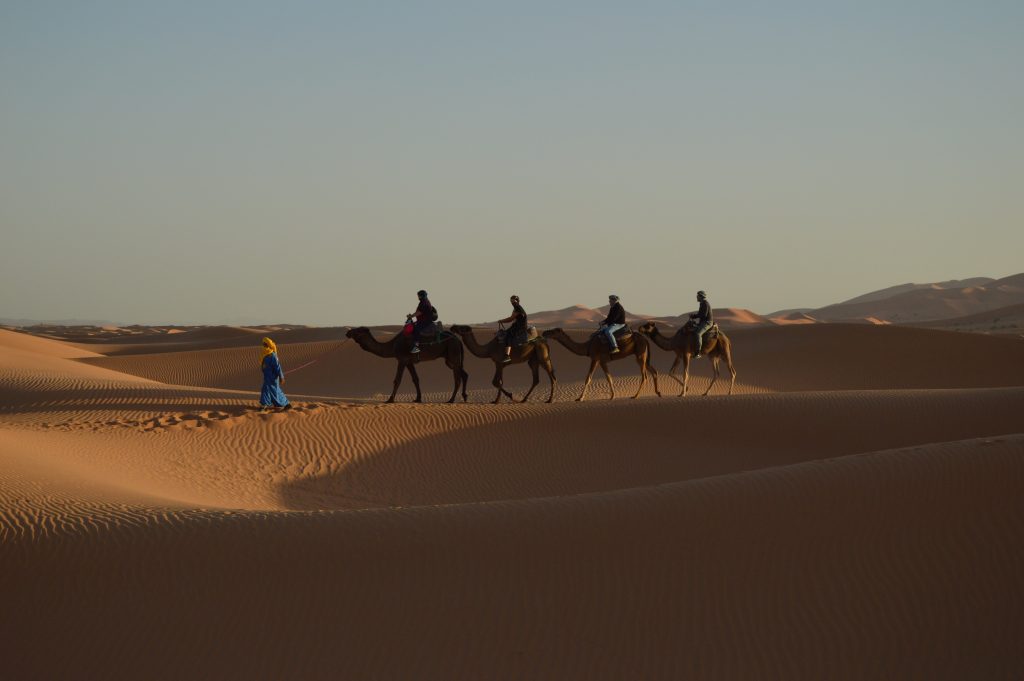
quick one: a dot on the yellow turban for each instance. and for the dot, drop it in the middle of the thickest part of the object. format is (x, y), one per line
(268, 348)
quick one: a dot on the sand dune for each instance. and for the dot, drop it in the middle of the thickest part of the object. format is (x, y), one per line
(27, 361)
(227, 337)
(23, 342)
(853, 514)
(931, 303)
(1003, 320)
(891, 291)
(844, 555)
(819, 357)
(576, 317)
(795, 317)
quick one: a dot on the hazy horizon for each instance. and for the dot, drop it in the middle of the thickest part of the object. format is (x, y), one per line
(204, 163)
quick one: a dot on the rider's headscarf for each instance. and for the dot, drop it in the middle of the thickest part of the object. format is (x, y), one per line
(268, 349)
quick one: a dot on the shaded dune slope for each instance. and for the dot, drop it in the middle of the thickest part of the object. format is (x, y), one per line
(896, 564)
(801, 357)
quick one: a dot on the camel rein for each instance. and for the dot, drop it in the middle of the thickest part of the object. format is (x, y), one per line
(316, 359)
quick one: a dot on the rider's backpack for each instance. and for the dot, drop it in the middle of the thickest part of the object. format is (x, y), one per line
(433, 313)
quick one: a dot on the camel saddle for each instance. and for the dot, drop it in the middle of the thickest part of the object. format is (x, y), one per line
(519, 339)
(621, 335)
(709, 335)
(432, 333)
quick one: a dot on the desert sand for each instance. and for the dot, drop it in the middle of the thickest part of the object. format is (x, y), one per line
(854, 511)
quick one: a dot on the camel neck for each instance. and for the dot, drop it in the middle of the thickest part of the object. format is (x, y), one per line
(371, 344)
(469, 338)
(570, 344)
(661, 340)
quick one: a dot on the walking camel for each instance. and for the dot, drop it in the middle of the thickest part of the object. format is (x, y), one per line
(535, 353)
(683, 343)
(634, 345)
(450, 348)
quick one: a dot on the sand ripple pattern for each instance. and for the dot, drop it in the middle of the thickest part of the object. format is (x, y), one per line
(155, 531)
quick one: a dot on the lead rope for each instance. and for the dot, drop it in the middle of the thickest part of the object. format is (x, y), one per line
(317, 359)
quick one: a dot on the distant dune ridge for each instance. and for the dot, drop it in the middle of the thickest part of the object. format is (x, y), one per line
(952, 304)
(937, 305)
(853, 512)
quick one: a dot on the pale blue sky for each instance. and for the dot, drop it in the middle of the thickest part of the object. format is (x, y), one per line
(214, 162)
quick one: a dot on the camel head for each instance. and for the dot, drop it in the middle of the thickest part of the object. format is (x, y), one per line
(459, 328)
(553, 332)
(357, 332)
(647, 328)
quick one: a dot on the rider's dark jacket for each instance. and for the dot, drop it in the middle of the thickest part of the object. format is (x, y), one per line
(703, 315)
(616, 315)
(423, 315)
(519, 325)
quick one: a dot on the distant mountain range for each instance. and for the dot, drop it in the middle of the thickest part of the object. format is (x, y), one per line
(980, 304)
(976, 304)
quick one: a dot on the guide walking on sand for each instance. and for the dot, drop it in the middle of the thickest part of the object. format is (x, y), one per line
(271, 394)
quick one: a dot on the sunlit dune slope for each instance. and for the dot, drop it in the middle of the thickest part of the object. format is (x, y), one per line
(800, 357)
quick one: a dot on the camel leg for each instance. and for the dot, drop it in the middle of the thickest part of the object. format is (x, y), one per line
(641, 359)
(728, 365)
(714, 378)
(672, 372)
(608, 375)
(497, 383)
(457, 380)
(454, 362)
(398, 382)
(654, 374)
(686, 373)
(551, 378)
(416, 382)
(535, 368)
(648, 368)
(586, 383)
(501, 382)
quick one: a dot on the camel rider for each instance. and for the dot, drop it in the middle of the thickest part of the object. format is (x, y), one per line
(423, 316)
(615, 320)
(703, 320)
(518, 328)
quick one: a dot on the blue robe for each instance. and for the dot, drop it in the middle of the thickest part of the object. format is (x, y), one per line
(271, 394)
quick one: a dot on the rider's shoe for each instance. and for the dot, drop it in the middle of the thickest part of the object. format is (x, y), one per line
(614, 351)
(415, 349)
(506, 360)
(697, 356)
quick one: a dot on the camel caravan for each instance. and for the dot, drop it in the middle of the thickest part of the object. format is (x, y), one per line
(424, 338)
